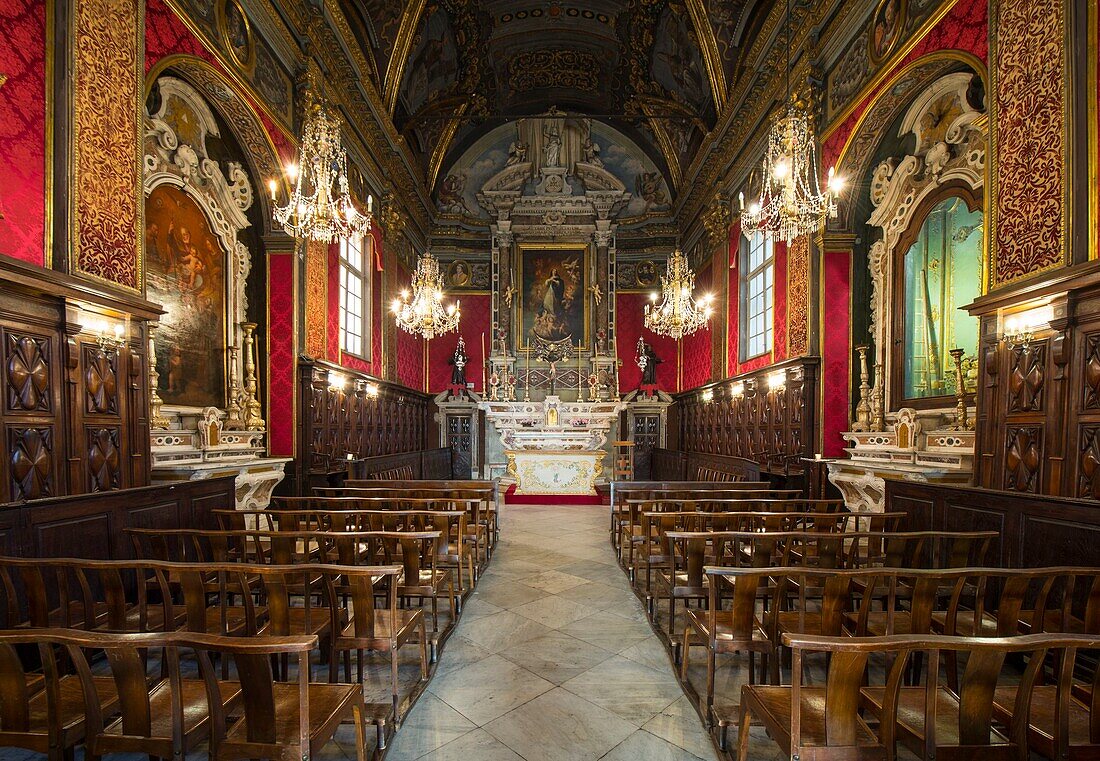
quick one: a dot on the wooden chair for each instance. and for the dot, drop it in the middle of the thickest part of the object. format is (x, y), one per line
(420, 573)
(279, 720)
(45, 713)
(738, 629)
(937, 721)
(371, 628)
(160, 717)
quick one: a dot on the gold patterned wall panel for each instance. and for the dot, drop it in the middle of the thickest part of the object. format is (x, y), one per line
(798, 297)
(316, 298)
(1029, 73)
(106, 141)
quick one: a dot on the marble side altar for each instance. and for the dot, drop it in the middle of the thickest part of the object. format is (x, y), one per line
(550, 446)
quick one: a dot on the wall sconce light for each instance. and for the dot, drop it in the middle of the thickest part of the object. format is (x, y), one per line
(777, 380)
(708, 395)
(372, 390)
(737, 390)
(337, 381)
(1020, 328)
(109, 338)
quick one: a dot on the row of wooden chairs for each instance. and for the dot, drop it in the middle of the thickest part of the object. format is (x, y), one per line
(990, 712)
(764, 604)
(350, 608)
(167, 714)
(416, 553)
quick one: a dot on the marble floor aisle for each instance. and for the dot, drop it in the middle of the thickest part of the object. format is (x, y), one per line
(553, 659)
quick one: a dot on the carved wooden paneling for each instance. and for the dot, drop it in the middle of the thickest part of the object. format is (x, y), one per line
(30, 462)
(1088, 462)
(1023, 458)
(104, 459)
(59, 386)
(100, 380)
(460, 441)
(335, 422)
(772, 426)
(1090, 374)
(27, 373)
(1026, 377)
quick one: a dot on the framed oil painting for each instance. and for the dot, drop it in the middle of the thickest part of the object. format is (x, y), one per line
(185, 273)
(553, 303)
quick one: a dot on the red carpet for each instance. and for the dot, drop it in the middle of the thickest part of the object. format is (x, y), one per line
(511, 498)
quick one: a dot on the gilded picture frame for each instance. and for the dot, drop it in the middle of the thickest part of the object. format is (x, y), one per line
(553, 299)
(237, 35)
(886, 29)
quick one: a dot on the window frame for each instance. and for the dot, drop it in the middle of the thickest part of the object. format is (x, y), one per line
(348, 272)
(765, 271)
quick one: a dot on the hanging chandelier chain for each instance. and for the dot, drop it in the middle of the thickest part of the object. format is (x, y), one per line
(791, 201)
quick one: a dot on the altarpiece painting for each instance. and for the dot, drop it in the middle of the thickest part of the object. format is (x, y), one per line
(554, 281)
(186, 274)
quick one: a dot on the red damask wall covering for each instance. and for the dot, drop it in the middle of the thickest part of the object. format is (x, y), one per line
(23, 130)
(628, 326)
(696, 349)
(476, 313)
(282, 306)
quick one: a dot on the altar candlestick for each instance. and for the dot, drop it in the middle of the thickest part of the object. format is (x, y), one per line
(527, 378)
(580, 380)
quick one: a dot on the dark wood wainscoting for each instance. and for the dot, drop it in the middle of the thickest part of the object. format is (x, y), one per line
(334, 422)
(433, 464)
(1039, 400)
(74, 413)
(748, 418)
(673, 465)
(91, 525)
(1035, 531)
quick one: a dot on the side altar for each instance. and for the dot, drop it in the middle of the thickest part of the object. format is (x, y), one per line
(551, 446)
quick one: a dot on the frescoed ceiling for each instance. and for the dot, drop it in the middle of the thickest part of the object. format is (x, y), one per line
(657, 71)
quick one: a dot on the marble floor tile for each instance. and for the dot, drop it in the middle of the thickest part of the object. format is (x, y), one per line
(501, 630)
(626, 688)
(649, 652)
(477, 745)
(489, 688)
(598, 596)
(558, 726)
(609, 631)
(556, 657)
(431, 724)
(460, 652)
(679, 724)
(554, 582)
(554, 612)
(643, 745)
(506, 593)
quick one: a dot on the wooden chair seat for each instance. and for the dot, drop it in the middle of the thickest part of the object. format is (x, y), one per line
(1041, 721)
(964, 625)
(158, 740)
(329, 704)
(911, 723)
(880, 623)
(71, 715)
(772, 705)
(387, 628)
(723, 636)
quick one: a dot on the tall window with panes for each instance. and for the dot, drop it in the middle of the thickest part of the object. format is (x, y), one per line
(354, 296)
(757, 295)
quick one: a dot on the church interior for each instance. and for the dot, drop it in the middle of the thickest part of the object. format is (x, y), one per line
(544, 380)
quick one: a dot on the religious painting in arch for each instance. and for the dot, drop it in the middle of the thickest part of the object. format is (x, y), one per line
(185, 274)
(941, 273)
(552, 300)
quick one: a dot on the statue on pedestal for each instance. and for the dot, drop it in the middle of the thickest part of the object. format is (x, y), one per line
(648, 361)
(458, 364)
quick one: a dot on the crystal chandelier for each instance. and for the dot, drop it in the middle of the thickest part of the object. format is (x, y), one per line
(320, 205)
(791, 201)
(422, 311)
(678, 313)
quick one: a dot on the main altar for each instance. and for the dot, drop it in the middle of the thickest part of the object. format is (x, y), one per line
(551, 446)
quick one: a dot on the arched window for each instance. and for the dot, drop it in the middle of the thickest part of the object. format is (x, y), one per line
(940, 272)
